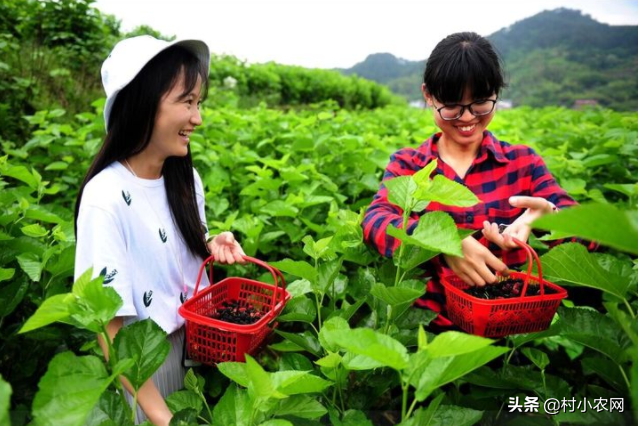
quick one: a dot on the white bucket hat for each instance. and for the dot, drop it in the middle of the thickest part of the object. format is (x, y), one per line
(129, 56)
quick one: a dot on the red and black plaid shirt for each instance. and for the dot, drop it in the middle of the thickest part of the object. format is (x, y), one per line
(499, 171)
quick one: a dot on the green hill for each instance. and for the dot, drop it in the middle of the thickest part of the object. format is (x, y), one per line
(553, 58)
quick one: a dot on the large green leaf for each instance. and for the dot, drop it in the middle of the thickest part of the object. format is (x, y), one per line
(395, 295)
(572, 263)
(603, 223)
(235, 371)
(453, 343)
(445, 191)
(435, 232)
(95, 305)
(145, 342)
(292, 382)
(5, 402)
(327, 274)
(55, 308)
(234, 408)
(372, 344)
(280, 208)
(69, 390)
(595, 330)
(299, 309)
(306, 340)
(400, 190)
(428, 373)
(184, 399)
(298, 268)
(302, 406)
(261, 385)
(110, 411)
(31, 265)
(316, 249)
(325, 336)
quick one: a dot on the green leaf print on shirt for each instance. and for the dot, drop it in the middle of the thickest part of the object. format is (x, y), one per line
(148, 298)
(127, 197)
(108, 276)
(162, 234)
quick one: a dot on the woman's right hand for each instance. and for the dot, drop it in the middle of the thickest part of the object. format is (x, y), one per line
(477, 264)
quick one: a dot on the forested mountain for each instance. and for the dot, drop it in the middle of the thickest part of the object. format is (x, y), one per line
(553, 58)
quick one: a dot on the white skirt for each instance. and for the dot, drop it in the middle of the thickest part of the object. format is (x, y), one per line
(169, 377)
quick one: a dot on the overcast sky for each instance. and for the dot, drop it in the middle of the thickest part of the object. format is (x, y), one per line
(340, 33)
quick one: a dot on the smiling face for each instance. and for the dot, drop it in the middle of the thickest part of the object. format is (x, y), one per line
(465, 131)
(177, 117)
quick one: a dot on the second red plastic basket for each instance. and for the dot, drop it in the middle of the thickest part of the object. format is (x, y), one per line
(211, 341)
(498, 318)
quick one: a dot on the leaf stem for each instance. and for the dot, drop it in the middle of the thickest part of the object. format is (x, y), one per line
(624, 375)
(631, 311)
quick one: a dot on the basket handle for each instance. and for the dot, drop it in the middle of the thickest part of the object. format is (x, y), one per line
(532, 257)
(274, 271)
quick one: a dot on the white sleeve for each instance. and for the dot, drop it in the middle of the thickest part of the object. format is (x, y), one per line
(101, 245)
(201, 202)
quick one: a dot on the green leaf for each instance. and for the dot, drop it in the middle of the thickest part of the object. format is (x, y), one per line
(297, 268)
(69, 390)
(31, 265)
(316, 250)
(428, 373)
(414, 256)
(299, 309)
(12, 294)
(435, 232)
(304, 383)
(276, 422)
(145, 342)
(261, 385)
(422, 177)
(447, 192)
(453, 343)
(607, 369)
(594, 330)
(20, 173)
(325, 336)
(379, 347)
(184, 399)
(55, 308)
(5, 402)
(234, 408)
(327, 273)
(95, 305)
(109, 411)
(400, 191)
(306, 340)
(299, 288)
(235, 371)
(280, 208)
(301, 406)
(395, 295)
(34, 230)
(603, 223)
(573, 264)
(538, 357)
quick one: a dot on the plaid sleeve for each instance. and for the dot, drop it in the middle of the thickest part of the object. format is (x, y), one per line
(382, 213)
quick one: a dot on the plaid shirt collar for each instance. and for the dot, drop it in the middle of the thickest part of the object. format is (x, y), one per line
(490, 144)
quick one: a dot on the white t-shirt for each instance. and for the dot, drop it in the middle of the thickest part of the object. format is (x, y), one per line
(127, 234)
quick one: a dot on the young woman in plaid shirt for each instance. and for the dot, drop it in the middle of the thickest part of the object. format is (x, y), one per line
(462, 80)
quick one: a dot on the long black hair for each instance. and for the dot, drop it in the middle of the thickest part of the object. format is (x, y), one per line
(463, 61)
(129, 132)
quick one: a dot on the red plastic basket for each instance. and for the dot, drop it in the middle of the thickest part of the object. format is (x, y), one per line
(498, 318)
(211, 341)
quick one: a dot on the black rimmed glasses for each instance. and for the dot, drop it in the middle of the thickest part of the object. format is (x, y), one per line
(477, 108)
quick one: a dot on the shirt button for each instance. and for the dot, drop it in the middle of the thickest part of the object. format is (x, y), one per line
(469, 218)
